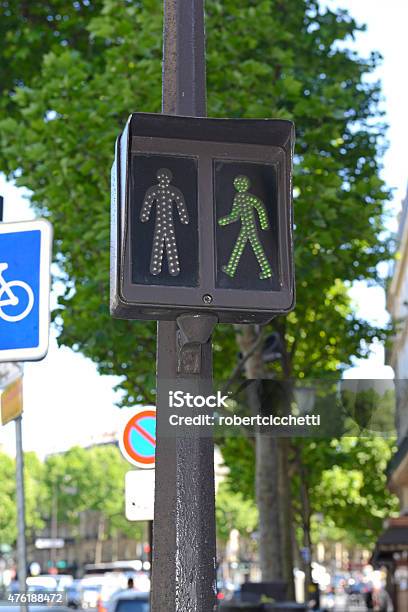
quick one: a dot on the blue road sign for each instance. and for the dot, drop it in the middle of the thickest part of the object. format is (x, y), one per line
(25, 257)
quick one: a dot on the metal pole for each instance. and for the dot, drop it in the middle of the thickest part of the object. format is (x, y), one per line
(21, 535)
(150, 538)
(184, 74)
(184, 556)
(21, 539)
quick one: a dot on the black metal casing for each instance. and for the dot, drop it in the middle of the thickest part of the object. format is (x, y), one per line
(203, 158)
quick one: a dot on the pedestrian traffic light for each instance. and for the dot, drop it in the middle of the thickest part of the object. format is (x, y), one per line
(202, 218)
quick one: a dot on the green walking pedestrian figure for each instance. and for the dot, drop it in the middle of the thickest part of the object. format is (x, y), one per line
(243, 209)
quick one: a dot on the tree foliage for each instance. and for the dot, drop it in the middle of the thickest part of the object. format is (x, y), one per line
(343, 470)
(233, 511)
(72, 72)
(35, 496)
(8, 514)
(75, 71)
(90, 479)
(349, 485)
(74, 482)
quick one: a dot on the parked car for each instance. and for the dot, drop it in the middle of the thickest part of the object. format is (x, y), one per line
(74, 595)
(63, 581)
(141, 581)
(97, 590)
(129, 601)
(47, 582)
(42, 583)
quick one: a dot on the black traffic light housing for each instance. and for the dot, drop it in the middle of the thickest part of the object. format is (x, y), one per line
(202, 218)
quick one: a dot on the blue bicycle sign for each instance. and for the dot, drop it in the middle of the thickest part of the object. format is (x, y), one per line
(16, 294)
(25, 255)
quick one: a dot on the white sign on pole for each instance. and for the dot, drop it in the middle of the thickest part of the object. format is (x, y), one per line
(139, 493)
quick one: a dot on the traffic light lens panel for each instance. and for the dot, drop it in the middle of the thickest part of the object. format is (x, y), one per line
(164, 220)
(202, 218)
(246, 226)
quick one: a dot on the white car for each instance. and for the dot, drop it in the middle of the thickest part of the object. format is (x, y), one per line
(45, 582)
(97, 590)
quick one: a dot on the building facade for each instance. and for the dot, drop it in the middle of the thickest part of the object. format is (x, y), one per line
(397, 304)
(392, 546)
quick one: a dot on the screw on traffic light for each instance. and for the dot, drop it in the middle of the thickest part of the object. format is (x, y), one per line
(202, 218)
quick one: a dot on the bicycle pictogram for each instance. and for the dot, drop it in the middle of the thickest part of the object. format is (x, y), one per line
(15, 295)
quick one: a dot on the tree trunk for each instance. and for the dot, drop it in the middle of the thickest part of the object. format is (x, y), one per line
(115, 545)
(266, 482)
(306, 521)
(99, 541)
(286, 515)
(267, 497)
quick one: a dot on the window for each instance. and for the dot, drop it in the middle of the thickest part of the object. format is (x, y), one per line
(132, 605)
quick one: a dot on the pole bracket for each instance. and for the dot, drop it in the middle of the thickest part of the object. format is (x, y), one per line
(193, 332)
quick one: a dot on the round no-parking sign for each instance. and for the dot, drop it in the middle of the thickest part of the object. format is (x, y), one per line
(138, 438)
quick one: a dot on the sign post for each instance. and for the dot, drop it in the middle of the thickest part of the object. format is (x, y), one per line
(21, 535)
(12, 409)
(184, 555)
(201, 234)
(25, 259)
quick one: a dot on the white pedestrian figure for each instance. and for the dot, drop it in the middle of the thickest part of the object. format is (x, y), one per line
(165, 196)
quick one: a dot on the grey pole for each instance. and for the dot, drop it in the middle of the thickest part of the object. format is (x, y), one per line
(21, 535)
(184, 73)
(184, 555)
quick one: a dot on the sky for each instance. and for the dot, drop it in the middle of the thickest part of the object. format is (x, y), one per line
(386, 33)
(66, 402)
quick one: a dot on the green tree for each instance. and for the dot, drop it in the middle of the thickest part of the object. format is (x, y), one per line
(91, 479)
(234, 511)
(8, 513)
(342, 475)
(352, 493)
(61, 112)
(34, 497)
(35, 493)
(283, 59)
